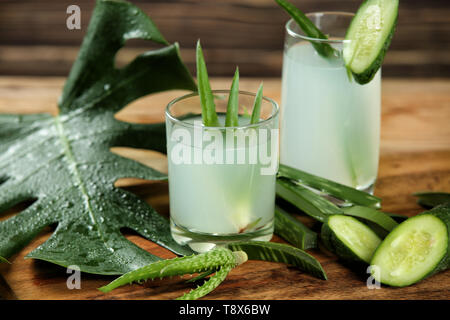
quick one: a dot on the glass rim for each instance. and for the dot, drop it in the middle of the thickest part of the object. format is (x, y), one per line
(174, 119)
(297, 35)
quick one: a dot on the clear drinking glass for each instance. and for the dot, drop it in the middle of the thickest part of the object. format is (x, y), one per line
(221, 179)
(330, 125)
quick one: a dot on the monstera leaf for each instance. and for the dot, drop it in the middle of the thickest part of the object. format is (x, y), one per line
(64, 162)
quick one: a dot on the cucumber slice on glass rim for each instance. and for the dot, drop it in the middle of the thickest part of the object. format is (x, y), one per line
(369, 37)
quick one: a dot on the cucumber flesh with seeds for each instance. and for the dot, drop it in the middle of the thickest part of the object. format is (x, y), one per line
(349, 239)
(369, 37)
(416, 249)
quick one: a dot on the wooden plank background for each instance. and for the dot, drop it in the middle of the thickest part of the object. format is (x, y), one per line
(34, 39)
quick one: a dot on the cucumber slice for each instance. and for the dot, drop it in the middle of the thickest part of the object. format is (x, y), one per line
(349, 239)
(416, 249)
(369, 37)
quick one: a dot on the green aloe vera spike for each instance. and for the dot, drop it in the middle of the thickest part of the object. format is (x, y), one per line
(278, 252)
(309, 28)
(309, 202)
(231, 119)
(376, 216)
(429, 199)
(256, 114)
(209, 285)
(178, 266)
(293, 231)
(332, 188)
(209, 115)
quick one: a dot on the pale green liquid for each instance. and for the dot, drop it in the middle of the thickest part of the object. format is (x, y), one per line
(330, 126)
(220, 199)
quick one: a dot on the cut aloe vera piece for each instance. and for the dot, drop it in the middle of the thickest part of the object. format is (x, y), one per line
(306, 200)
(293, 231)
(416, 249)
(369, 37)
(378, 217)
(349, 239)
(429, 199)
(332, 188)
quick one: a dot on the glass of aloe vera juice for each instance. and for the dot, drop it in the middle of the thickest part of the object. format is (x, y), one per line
(330, 124)
(221, 178)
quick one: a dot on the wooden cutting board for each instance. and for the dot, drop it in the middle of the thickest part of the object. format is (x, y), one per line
(415, 155)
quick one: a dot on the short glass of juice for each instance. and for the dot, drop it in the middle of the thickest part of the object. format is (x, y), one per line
(330, 124)
(221, 179)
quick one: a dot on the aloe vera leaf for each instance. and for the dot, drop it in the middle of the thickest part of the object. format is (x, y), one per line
(231, 119)
(176, 266)
(4, 260)
(309, 28)
(209, 115)
(330, 187)
(256, 113)
(201, 276)
(309, 202)
(397, 217)
(209, 285)
(376, 216)
(278, 252)
(293, 231)
(430, 199)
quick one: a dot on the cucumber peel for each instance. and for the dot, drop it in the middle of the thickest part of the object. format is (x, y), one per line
(368, 38)
(350, 239)
(415, 250)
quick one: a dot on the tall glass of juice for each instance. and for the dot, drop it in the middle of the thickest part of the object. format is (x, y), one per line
(330, 125)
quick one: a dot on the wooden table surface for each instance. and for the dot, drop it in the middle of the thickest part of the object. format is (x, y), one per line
(415, 155)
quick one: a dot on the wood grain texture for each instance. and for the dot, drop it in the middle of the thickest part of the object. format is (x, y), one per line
(415, 155)
(34, 39)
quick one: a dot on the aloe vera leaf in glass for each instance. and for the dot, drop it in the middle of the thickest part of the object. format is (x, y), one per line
(257, 105)
(310, 29)
(209, 115)
(231, 119)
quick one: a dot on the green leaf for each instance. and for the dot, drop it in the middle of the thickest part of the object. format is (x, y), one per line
(330, 187)
(64, 162)
(309, 28)
(231, 119)
(429, 199)
(293, 231)
(277, 252)
(376, 216)
(256, 114)
(309, 202)
(209, 115)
